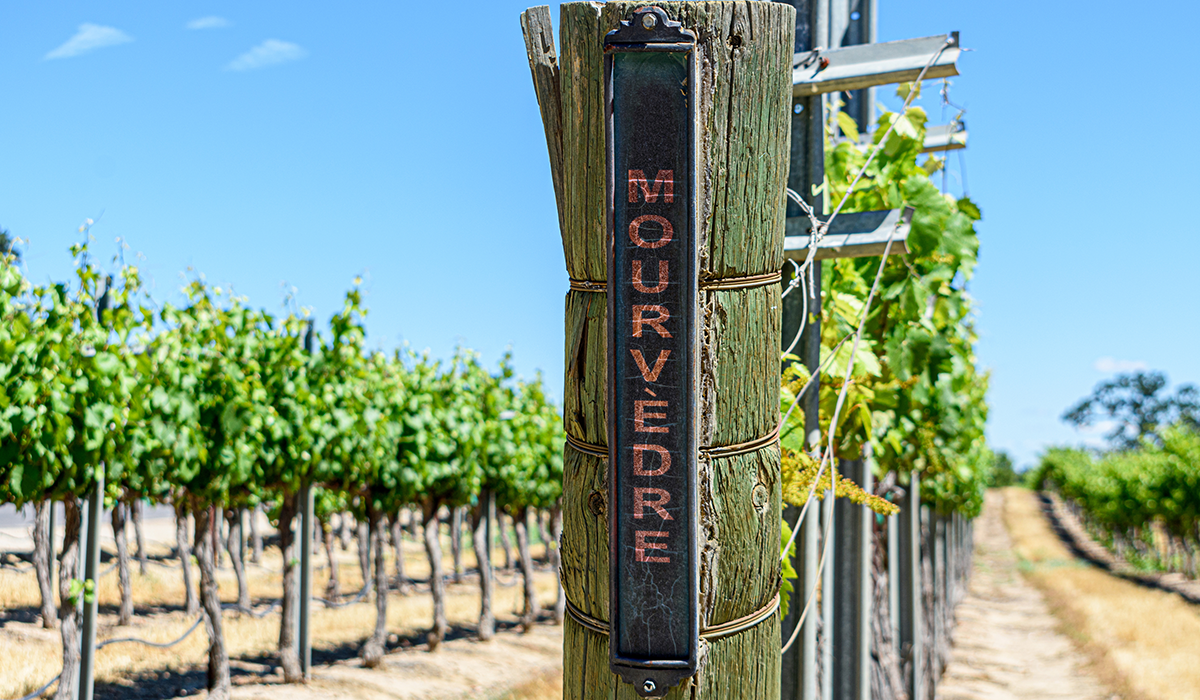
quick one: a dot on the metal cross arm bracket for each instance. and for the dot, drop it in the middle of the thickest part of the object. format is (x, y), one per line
(856, 235)
(865, 65)
(946, 137)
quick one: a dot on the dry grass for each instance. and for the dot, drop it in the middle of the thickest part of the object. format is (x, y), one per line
(30, 655)
(1142, 639)
(548, 687)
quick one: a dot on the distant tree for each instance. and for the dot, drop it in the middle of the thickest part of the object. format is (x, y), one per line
(1003, 471)
(8, 244)
(1138, 403)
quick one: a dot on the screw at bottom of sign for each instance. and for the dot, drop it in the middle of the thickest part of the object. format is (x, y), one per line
(649, 686)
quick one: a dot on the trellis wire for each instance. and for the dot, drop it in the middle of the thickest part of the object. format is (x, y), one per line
(912, 93)
(157, 645)
(44, 688)
(819, 230)
(812, 378)
(829, 449)
(343, 603)
(797, 281)
(121, 640)
(862, 323)
(812, 596)
(814, 241)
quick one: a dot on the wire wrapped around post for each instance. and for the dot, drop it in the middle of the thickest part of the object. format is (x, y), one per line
(744, 93)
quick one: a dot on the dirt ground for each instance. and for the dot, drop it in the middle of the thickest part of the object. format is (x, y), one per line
(512, 666)
(1007, 643)
(1143, 641)
(1040, 622)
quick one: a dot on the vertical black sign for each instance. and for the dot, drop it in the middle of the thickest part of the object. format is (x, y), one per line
(653, 380)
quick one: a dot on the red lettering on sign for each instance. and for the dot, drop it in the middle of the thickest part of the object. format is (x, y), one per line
(635, 234)
(650, 375)
(663, 456)
(641, 545)
(663, 278)
(640, 415)
(640, 503)
(637, 180)
(655, 323)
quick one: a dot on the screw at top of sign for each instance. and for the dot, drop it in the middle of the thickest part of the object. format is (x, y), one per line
(649, 686)
(648, 21)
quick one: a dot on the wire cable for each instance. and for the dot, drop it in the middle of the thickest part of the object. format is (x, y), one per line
(912, 93)
(812, 595)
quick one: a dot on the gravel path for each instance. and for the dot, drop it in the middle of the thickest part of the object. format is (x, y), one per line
(1006, 643)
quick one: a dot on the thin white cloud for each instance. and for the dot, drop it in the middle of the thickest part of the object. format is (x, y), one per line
(210, 22)
(1109, 365)
(1094, 435)
(89, 38)
(1098, 428)
(271, 52)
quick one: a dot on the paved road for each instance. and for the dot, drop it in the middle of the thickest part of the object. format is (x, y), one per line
(1006, 643)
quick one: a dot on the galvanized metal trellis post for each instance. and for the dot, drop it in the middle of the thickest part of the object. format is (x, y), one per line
(851, 23)
(938, 525)
(864, 582)
(828, 535)
(852, 596)
(892, 525)
(491, 518)
(911, 620)
(861, 27)
(87, 658)
(855, 63)
(53, 557)
(304, 636)
(806, 171)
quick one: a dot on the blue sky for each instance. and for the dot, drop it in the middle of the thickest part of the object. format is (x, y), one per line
(276, 145)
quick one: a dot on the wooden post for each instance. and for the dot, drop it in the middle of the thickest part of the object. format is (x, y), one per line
(743, 92)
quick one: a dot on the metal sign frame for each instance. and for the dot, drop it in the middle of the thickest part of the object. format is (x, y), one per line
(653, 643)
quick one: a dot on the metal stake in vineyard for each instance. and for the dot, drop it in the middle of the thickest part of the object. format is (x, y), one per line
(667, 129)
(91, 558)
(818, 71)
(304, 638)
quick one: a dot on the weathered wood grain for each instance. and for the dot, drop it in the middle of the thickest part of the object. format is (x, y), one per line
(543, 64)
(744, 51)
(585, 408)
(583, 140)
